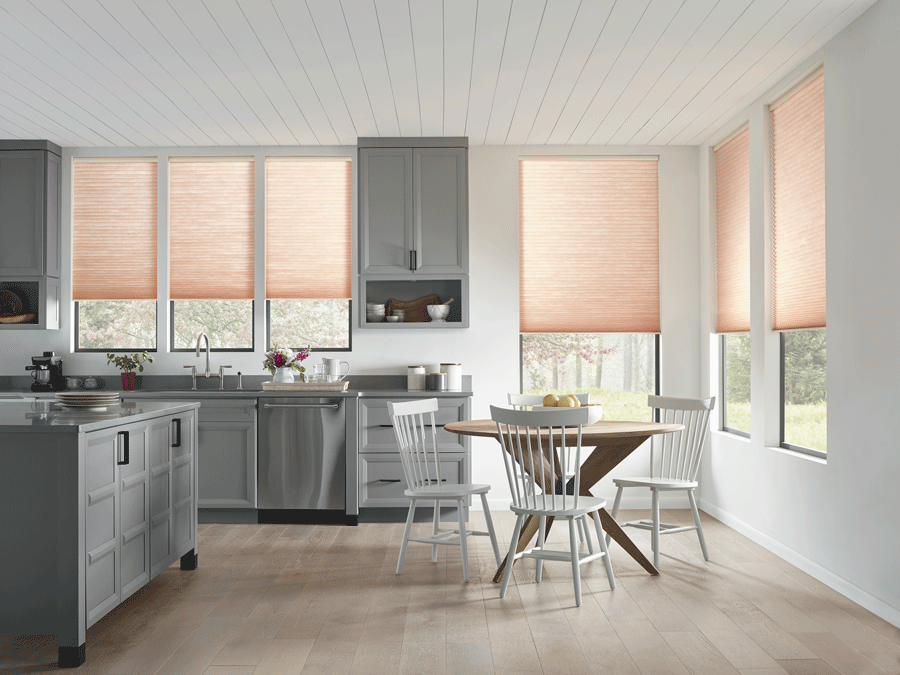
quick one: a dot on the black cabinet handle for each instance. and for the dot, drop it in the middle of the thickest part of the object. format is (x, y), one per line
(176, 422)
(389, 480)
(412, 261)
(122, 444)
(390, 426)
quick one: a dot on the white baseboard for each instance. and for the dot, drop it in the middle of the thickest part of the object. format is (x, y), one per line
(842, 586)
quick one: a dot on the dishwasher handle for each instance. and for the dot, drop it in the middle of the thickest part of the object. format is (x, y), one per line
(333, 406)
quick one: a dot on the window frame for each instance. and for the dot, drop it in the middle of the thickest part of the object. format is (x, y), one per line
(348, 348)
(245, 350)
(723, 415)
(76, 321)
(781, 442)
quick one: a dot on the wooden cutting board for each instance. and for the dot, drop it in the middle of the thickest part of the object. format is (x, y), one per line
(416, 310)
(306, 386)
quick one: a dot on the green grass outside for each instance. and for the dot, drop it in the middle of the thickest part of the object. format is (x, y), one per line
(804, 425)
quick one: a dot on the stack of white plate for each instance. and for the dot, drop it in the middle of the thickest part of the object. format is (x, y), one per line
(87, 400)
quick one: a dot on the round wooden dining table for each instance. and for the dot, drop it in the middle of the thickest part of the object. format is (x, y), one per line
(613, 441)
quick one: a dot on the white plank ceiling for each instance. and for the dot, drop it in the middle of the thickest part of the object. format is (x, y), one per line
(143, 73)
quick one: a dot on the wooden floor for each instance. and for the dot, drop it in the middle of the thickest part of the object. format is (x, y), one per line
(274, 600)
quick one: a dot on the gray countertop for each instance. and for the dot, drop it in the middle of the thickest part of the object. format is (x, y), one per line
(43, 417)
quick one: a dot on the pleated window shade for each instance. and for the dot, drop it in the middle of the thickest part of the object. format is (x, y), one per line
(589, 245)
(211, 212)
(114, 230)
(798, 196)
(733, 234)
(308, 209)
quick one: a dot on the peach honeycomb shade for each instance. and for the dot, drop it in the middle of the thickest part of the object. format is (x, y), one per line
(589, 245)
(733, 234)
(798, 189)
(114, 230)
(211, 229)
(308, 209)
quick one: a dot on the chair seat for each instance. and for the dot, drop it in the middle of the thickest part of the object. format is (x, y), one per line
(658, 483)
(585, 505)
(448, 491)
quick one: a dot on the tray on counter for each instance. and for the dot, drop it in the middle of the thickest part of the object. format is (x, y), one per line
(306, 386)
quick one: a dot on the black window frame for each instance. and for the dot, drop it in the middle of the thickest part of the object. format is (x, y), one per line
(85, 350)
(348, 348)
(723, 414)
(782, 443)
(173, 350)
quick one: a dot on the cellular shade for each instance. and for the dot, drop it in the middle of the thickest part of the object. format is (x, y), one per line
(114, 230)
(798, 178)
(733, 234)
(308, 212)
(211, 211)
(589, 245)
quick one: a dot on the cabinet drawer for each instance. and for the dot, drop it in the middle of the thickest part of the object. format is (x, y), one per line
(381, 480)
(376, 434)
(230, 410)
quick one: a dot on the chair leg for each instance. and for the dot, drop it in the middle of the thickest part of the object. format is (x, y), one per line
(490, 527)
(461, 512)
(697, 523)
(585, 531)
(580, 530)
(615, 509)
(539, 569)
(437, 520)
(511, 556)
(409, 522)
(654, 533)
(606, 561)
(576, 571)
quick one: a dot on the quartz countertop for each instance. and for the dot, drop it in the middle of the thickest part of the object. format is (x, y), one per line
(46, 416)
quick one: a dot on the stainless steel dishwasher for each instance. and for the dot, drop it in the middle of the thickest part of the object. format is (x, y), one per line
(302, 466)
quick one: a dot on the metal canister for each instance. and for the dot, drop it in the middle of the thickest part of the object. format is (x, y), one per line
(436, 381)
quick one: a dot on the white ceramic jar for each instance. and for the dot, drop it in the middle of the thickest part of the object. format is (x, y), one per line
(454, 375)
(415, 378)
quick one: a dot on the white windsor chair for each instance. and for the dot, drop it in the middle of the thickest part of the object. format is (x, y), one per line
(535, 439)
(673, 466)
(523, 401)
(422, 469)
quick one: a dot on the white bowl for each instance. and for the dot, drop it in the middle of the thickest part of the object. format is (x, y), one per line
(392, 319)
(374, 307)
(595, 411)
(374, 318)
(438, 312)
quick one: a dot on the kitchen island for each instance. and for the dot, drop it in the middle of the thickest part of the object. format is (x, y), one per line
(94, 505)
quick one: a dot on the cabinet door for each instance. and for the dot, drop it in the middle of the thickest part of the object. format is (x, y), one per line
(162, 551)
(22, 213)
(441, 225)
(183, 513)
(226, 431)
(385, 211)
(133, 513)
(376, 433)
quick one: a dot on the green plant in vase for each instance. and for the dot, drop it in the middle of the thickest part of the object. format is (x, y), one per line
(128, 364)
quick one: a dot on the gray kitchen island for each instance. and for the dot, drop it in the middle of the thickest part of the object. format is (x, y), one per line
(94, 505)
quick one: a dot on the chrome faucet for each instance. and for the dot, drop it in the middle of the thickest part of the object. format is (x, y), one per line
(204, 336)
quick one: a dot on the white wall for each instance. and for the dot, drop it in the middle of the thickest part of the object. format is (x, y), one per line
(489, 349)
(839, 519)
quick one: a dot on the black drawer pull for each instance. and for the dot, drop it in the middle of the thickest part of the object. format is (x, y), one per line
(122, 444)
(177, 424)
(391, 426)
(389, 480)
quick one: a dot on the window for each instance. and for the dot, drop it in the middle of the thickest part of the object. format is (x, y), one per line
(589, 279)
(798, 218)
(114, 254)
(211, 252)
(308, 206)
(732, 159)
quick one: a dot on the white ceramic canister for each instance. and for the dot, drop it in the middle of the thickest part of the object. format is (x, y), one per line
(415, 378)
(454, 375)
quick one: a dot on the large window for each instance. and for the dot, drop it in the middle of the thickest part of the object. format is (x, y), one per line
(589, 279)
(732, 159)
(114, 254)
(798, 217)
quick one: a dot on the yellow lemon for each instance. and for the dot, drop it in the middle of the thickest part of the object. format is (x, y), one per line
(565, 402)
(551, 400)
(575, 402)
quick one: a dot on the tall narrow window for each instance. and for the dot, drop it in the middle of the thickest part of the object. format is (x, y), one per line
(308, 208)
(733, 277)
(589, 279)
(114, 254)
(211, 251)
(798, 215)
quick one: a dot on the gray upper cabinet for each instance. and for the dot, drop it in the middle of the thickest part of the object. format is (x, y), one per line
(413, 208)
(29, 209)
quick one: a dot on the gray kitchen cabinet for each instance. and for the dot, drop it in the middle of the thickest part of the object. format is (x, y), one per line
(413, 208)
(382, 483)
(227, 453)
(29, 209)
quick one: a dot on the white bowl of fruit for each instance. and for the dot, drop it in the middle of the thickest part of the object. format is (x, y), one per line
(595, 410)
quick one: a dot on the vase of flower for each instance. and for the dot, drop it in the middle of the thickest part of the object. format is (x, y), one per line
(284, 364)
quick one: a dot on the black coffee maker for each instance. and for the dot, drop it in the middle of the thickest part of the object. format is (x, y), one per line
(48, 373)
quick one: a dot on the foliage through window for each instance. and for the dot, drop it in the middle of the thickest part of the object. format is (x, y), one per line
(227, 323)
(804, 362)
(736, 382)
(318, 324)
(115, 325)
(618, 369)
